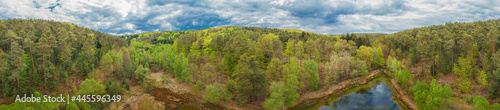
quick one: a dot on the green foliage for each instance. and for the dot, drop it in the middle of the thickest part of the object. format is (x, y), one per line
(429, 97)
(141, 73)
(181, 68)
(483, 79)
(402, 77)
(311, 49)
(247, 57)
(249, 78)
(114, 87)
(276, 100)
(461, 69)
(379, 57)
(495, 106)
(215, 92)
(126, 84)
(464, 85)
(292, 82)
(72, 106)
(494, 87)
(91, 87)
(273, 71)
(366, 54)
(480, 103)
(290, 48)
(358, 67)
(340, 66)
(447, 91)
(4, 68)
(311, 67)
(393, 65)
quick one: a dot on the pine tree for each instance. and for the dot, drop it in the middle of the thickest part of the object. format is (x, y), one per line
(4, 67)
(292, 82)
(274, 68)
(311, 68)
(17, 57)
(46, 51)
(276, 100)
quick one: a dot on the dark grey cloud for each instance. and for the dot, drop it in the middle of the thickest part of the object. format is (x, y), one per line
(320, 16)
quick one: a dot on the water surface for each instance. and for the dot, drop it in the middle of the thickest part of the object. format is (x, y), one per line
(374, 96)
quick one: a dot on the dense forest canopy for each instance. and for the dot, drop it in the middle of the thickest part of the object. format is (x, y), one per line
(269, 66)
(467, 52)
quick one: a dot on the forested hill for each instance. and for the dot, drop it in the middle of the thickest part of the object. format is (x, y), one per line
(260, 67)
(41, 55)
(47, 57)
(465, 52)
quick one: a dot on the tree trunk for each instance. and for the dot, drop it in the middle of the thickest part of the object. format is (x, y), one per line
(32, 61)
(493, 52)
(18, 75)
(439, 54)
(468, 61)
(44, 76)
(452, 60)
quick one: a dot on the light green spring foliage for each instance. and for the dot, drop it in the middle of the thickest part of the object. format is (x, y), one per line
(311, 49)
(461, 69)
(72, 106)
(91, 87)
(216, 92)
(483, 79)
(141, 73)
(333, 68)
(359, 68)
(430, 97)
(366, 54)
(311, 67)
(495, 106)
(292, 82)
(393, 65)
(181, 68)
(480, 103)
(379, 57)
(299, 49)
(276, 100)
(402, 77)
(290, 48)
(273, 71)
(107, 62)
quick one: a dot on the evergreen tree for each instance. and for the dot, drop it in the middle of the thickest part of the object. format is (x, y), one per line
(311, 68)
(276, 100)
(292, 83)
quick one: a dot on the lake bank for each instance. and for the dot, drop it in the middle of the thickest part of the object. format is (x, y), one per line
(332, 93)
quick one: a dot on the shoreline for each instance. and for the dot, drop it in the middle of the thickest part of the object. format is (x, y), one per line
(312, 98)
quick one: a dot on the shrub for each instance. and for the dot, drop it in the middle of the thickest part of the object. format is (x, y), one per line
(140, 73)
(114, 88)
(126, 84)
(480, 103)
(215, 92)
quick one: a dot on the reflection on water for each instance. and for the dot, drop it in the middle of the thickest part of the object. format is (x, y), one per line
(377, 97)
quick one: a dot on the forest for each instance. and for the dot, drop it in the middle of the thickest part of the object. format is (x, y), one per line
(450, 66)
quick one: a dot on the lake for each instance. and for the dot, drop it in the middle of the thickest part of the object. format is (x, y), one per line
(376, 95)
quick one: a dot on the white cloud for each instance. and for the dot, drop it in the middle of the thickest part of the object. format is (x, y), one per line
(321, 16)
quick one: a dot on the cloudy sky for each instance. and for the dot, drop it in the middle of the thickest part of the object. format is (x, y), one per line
(320, 16)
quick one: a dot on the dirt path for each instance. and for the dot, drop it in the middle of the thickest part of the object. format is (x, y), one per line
(164, 80)
(136, 99)
(327, 91)
(404, 96)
